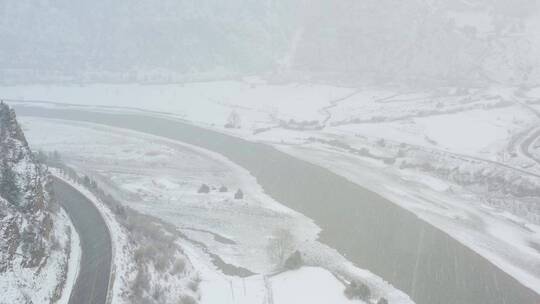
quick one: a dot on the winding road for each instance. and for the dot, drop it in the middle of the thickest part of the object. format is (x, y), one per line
(531, 137)
(372, 232)
(528, 144)
(92, 282)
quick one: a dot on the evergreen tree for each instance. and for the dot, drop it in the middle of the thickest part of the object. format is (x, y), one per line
(294, 261)
(239, 194)
(358, 290)
(9, 189)
(382, 301)
(204, 189)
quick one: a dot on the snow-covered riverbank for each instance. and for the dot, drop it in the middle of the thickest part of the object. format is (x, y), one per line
(161, 178)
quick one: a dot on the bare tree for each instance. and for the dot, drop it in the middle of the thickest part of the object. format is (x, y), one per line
(280, 246)
(233, 121)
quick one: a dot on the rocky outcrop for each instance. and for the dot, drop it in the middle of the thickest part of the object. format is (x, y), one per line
(33, 244)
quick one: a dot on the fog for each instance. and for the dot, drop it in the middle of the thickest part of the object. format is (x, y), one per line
(270, 152)
(465, 43)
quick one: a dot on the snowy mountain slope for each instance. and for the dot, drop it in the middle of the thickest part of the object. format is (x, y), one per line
(418, 42)
(35, 246)
(59, 40)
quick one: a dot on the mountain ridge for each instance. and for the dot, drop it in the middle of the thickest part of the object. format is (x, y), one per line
(422, 42)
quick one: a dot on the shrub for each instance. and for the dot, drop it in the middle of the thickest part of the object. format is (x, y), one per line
(55, 243)
(233, 121)
(178, 266)
(382, 301)
(161, 262)
(187, 299)
(120, 211)
(158, 293)
(358, 290)
(223, 189)
(204, 189)
(140, 284)
(193, 284)
(294, 261)
(389, 161)
(280, 246)
(239, 194)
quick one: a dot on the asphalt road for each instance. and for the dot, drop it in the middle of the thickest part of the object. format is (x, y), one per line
(93, 281)
(528, 143)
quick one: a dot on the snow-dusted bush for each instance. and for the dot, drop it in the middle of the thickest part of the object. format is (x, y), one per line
(187, 300)
(294, 261)
(178, 267)
(382, 301)
(239, 194)
(281, 246)
(357, 290)
(233, 121)
(204, 188)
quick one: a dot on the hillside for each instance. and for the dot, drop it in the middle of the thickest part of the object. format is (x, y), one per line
(420, 42)
(427, 43)
(36, 234)
(138, 41)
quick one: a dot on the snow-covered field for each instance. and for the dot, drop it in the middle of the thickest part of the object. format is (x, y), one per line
(289, 287)
(161, 178)
(480, 133)
(208, 103)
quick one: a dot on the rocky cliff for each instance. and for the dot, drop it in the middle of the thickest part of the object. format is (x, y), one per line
(35, 232)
